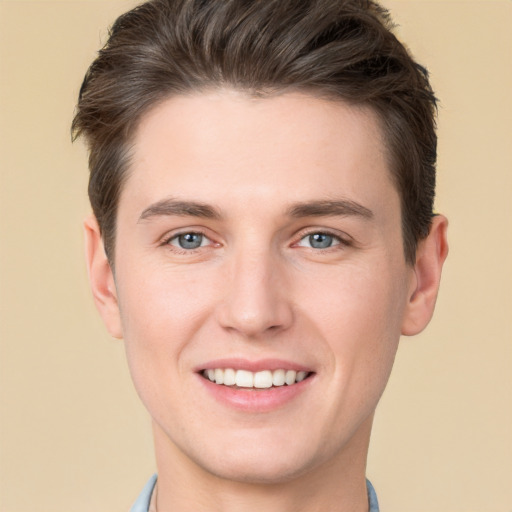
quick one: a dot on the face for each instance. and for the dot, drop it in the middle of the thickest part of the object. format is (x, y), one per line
(260, 280)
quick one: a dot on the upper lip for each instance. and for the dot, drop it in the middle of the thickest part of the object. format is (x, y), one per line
(253, 366)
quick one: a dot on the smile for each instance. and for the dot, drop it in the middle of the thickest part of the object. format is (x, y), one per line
(260, 380)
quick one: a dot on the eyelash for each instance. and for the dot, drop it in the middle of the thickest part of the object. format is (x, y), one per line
(166, 242)
(342, 242)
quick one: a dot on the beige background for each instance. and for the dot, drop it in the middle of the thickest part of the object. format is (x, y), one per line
(73, 436)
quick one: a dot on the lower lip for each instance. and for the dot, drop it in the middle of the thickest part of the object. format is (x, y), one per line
(256, 400)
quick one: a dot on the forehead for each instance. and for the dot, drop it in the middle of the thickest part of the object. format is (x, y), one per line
(287, 147)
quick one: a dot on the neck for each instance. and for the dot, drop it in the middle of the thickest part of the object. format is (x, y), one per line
(334, 484)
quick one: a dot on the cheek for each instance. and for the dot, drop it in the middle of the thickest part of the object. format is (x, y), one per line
(359, 312)
(153, 297)
(161, 311)
(362, 300)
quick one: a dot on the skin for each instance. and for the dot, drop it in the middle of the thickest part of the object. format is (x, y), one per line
(257, 289)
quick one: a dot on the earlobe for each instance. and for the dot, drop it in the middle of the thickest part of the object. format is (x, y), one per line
(430, 256)
(101, 278)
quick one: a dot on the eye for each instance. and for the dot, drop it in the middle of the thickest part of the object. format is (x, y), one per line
(189, 241)
(319, 241)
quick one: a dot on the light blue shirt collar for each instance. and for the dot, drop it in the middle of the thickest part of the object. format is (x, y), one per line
(142, 503)
(372, 497)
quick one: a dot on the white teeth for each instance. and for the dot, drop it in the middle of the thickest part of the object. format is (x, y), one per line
(244, 379)
(300, 376)
(278, 378)
(229, 377)
(290, 377)
(261, 380)
(219, 376)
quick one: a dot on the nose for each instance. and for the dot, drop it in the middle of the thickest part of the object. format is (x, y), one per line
(256, 301)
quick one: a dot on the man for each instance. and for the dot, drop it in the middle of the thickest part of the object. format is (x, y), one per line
(262, 182)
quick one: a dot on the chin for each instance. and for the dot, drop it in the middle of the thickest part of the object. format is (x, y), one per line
(255, 461)
(269, 471)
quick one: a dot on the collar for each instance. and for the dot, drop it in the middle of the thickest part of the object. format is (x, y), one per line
(144, 499)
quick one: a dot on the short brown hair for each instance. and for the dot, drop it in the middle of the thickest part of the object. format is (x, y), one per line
(337, 49)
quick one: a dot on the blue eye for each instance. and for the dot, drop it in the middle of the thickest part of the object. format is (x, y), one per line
(189, 241)
(319, 241)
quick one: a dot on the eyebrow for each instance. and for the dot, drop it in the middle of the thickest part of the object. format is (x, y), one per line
(323, 208)
(180, 208)
(328, 208)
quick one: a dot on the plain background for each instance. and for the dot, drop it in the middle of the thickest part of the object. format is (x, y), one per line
(73, 435)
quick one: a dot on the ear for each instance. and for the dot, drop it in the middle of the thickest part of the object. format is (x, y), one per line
(101, 278)
(430, 256)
